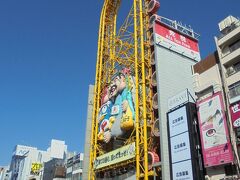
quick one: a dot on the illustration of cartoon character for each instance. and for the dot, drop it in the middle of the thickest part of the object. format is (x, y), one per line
(105, 119)
(123, 107)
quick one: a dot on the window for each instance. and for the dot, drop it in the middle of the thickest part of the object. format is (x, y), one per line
(234, 46)
(234, 90)
(233, 69)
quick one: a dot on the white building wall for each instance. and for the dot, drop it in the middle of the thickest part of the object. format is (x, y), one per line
(174, 75)
(88, 132)
(4, 175)
(31, 155)
(210, 79)
(58, 149)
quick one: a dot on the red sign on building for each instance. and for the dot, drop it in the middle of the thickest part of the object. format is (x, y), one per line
(174, 40)
(235, 114)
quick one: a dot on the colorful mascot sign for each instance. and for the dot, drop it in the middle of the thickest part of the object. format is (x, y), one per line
(117, 113)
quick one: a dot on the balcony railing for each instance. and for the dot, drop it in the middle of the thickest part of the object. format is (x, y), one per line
(230, 29)
(232, 49)
(233, 69)
(177, 25)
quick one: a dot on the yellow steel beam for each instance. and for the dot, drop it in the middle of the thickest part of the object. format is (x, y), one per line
(137, 92)
(143, 91)
(94, 115)
(128, 49)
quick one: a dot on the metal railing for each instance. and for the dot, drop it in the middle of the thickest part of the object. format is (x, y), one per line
(232, 49)
(178, 26)
(230, 29)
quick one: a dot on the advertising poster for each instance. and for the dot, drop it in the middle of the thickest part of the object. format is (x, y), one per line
(179, 43)
(216, 147)
(35, 168)
(182, 170)
(116, 117)
(235, 114)
(178, 121)
(180, 147)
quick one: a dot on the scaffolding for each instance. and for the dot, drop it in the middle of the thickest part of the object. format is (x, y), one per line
(126, 47)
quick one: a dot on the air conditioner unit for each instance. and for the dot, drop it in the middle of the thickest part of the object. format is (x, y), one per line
(230, 71)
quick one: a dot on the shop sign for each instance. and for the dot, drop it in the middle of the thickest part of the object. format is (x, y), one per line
(235, 114)
(35, 168)
(215, 139)
(122, 154)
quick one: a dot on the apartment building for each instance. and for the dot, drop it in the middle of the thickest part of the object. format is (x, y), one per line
(217, 88)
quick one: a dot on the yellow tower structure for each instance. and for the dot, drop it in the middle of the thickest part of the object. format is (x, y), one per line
(126, 47)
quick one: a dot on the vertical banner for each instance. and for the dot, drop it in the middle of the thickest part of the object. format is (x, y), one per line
(180, 148)
(235, 114)
(216, 146)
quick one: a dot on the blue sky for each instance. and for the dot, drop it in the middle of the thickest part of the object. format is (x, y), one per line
(47, 60)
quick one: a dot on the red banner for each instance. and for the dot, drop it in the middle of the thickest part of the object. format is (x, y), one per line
(235, 114)
(176, 37)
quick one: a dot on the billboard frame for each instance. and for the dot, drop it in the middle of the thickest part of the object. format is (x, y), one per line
(196, 156)
(206, 151)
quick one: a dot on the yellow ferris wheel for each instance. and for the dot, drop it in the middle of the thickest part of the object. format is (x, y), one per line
(123, 117)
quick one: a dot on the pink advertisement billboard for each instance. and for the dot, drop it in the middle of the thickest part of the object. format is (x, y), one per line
(216, 146)
(235, 114)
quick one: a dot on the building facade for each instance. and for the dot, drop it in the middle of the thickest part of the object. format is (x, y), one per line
(228, 47)
(54, 169)
(88, 131)
(175, 52)
(216, 80)
(75, 167)
(4, 173)
(28, 162)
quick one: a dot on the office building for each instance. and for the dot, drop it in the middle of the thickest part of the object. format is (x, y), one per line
(28, 162)
(88, 132)
(74, 167)
(216, 85)
(4, 173)
(175, 52)
(55, 168)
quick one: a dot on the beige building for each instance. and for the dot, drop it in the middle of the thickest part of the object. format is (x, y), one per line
(228, 47)
(220, 73)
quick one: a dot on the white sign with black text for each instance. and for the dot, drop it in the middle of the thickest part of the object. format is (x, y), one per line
(182, 170)
(180, 147)
(178, 121)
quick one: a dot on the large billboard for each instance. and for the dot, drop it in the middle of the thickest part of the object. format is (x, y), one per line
(216, 146)
(180, 150)
(116, 118)
(235, 114)
(185, 158)
(174, 40)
